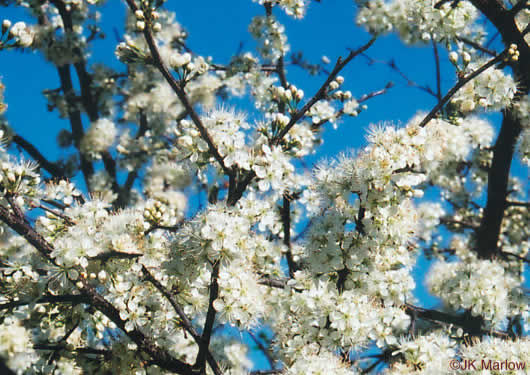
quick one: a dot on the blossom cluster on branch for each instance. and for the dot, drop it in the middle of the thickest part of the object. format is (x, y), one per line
(107, 265)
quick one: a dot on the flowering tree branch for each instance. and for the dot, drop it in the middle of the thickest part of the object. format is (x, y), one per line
(186, 322)
(127, 267)
(321, 93)
(461, 82)
(498, 176)
(20, 225)
(157, 60)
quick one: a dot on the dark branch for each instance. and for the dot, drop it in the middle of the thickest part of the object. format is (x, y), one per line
(438, 74)
(186, 322)
(470, 324)
(498, 176)
(477, 46)
(65, 298)
(210, 319)
(52, 168)
(286, 221)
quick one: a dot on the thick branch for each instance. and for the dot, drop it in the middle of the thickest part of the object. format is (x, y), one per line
(470, 324)
(210, 319)
(498, 176)
(65, 298)
(75, 121)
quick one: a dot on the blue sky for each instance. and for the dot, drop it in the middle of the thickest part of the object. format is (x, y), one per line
(216, 28)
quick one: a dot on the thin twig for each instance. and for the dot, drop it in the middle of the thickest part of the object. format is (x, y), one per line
(477, 46)
(263, 349)
(373, 94)
(518, 204)
(67, 220)
(65, 298)
(438, 74)
(321, 93)
(393, 66)
(508, 254)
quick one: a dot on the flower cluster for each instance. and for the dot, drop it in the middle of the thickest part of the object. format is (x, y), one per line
(430, 353)
(483, 287)
(16, 345)
(492, 90)
(495, 349)
(99, 137)
(17, 35)
(19, 179)
(418, 20)
(270, 35)
(293, 8)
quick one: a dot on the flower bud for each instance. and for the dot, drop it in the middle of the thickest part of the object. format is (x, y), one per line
(299, 94)
(333, 85)
(453, 57)
(6, 24)
(466, 57)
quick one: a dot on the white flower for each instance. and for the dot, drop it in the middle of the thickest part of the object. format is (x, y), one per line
(99, 137)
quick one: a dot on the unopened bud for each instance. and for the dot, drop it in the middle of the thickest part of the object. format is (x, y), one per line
(333, 85)
(453, 57)
(6, 24)
(466, 57)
